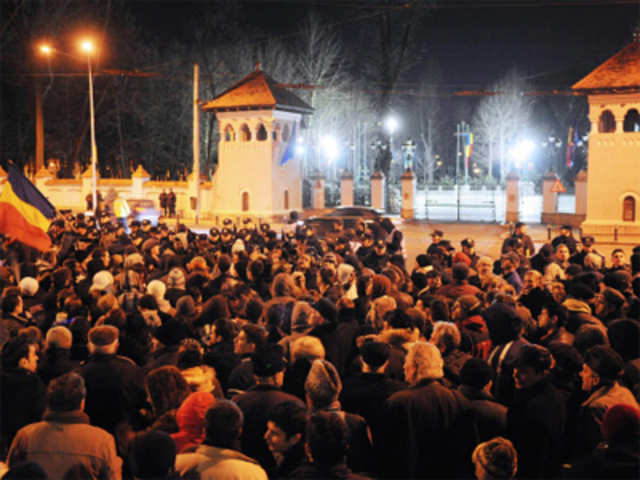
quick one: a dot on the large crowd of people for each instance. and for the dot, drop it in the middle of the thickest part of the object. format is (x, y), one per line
(247, 353)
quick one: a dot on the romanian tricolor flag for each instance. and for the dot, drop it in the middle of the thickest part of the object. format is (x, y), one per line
(468, 147)
(25, 214)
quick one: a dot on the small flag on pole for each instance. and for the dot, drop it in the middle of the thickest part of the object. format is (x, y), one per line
(290, 150)
(468, 148)
(25, 214)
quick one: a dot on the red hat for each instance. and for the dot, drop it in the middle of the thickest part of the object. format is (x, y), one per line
(621, 424)
(190, 418)
(461, 257)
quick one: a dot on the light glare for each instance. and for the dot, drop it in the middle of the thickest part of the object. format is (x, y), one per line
(330, 147)
(87, 46)
(46, 49)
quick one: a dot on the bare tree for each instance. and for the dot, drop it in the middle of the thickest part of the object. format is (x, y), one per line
(499, 118)
(429, 120)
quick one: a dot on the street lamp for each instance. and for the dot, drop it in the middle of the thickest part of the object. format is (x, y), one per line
(391, 124)
(88, 47)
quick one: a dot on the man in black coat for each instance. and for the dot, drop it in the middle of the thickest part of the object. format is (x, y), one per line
(22, 393)
(114, 383)
(476, 378)
(257, 402)
(536, 418)
(429, 429)
(365, 393)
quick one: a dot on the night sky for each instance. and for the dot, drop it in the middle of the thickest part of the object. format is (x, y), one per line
(554, 43)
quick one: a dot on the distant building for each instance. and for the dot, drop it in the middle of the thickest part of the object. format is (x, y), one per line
(613, 182)
(258, 172)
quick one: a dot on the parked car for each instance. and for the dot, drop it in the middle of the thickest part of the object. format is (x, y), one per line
(349, 216)
(143, 209)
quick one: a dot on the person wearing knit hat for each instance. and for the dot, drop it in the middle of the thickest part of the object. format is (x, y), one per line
(152, 456)
(176, 285)
(600, 372)
(268, 364)
(495, 459)
(323, 384)
(190, 419)
(322, 388)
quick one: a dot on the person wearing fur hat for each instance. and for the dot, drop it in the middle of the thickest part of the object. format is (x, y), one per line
(268, 368)
(322, 389)
(114, 383)
(600, 373)
(536, 419)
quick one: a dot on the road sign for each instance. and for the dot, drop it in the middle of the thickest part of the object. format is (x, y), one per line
(557, 187)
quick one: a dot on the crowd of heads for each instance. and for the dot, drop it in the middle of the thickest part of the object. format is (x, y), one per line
(205, 318)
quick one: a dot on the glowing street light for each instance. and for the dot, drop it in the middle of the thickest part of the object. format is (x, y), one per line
(330, 147)
(88, 47)
(391, 124)
(521, 151)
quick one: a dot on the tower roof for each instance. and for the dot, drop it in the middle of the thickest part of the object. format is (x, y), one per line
(620, 73)
(257, 91)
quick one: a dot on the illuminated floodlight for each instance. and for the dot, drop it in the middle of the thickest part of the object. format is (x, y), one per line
(521, 151)
(391, 124)
(300, 148)
(46, 49)
(329, 145)
(87, 46)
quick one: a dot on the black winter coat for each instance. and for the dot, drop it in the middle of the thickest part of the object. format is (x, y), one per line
(115, 390)
(536, 426)
(22, 401)
(429, 432)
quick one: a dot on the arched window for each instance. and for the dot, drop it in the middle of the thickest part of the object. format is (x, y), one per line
(245, 201)
(229, 134)
(607, 123)
(245, 133)
(285, 133)
(275, 134)
(261, 134)
(286, 199)
(629, 209)
(632, 121)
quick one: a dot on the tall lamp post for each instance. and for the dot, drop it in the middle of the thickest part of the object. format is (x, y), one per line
(87, 47)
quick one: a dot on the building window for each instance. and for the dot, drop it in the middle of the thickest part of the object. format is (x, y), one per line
(286, 199)
(245, 133)
(629, 209)
(632, 121)
(229, 134)
(285, 133)
(607, 123)
(245, 201)
(276, 132)
(261, 134)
